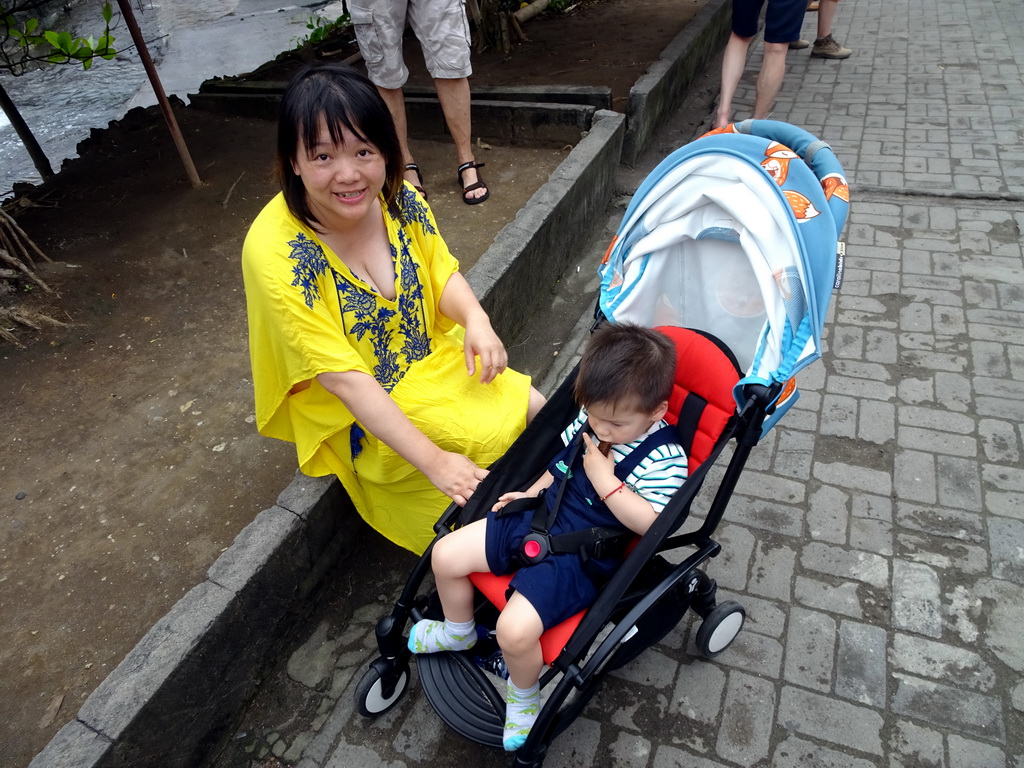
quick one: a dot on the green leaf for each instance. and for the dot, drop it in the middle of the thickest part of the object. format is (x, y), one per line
(65, 40)
(52, 38)
(87, 63)
(108, 13)
(30, 25)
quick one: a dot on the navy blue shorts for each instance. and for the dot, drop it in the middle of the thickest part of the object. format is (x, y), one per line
(782, 20)
(557, 587)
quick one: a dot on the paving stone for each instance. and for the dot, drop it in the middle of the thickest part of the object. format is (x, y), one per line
(998, 440)
(765, 617)
(846, 564)
(420, 735)
(943, 554)
(827, 517)
(630, 750)
(772, 518)
(841, 598)
(916, 600)
(670, 757)
(793, 455)
(959, 483)
(772, 488)
(795, 752)
(964, 753)
(940, 661)
(744, 736)
(771, 573)
(852, 476)
(950, 523)
(830, 720)
(810, 648)
(916, 391)
(839, 415)
(651, 668)
(730, 568)
(877, 422)
(914, 477)
(698, 691)
(927, 418)
(952, 709)
(578, 746)
(1006, 543)
(754, 653)
(913, 745)
(861, 669)
(872, 507)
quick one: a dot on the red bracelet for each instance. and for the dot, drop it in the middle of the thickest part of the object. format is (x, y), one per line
(618, 488)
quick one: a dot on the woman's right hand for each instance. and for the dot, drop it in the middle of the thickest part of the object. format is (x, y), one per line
(456, 476)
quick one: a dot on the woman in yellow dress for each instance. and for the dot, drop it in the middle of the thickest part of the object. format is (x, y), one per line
(369, 350)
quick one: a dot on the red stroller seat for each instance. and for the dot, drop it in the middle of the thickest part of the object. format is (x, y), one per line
(700, 408)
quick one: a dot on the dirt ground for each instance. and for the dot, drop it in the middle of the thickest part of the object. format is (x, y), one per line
(129, 456)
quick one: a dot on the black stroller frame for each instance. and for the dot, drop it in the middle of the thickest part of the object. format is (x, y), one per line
(463, 695)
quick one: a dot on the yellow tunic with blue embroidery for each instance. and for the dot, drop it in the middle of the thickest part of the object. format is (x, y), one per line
(309, 314)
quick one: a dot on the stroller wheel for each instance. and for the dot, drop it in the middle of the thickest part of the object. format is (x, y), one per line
(720, 628)
(379, 691)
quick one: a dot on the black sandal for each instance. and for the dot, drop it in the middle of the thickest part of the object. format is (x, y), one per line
(419, 175)
(480, 184)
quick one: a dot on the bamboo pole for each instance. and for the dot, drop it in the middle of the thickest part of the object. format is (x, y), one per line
(158, 89)
(523, 15)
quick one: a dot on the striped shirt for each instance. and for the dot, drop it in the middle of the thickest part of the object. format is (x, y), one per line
(657, 476)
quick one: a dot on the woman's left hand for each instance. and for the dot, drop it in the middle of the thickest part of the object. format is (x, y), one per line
(481, 341)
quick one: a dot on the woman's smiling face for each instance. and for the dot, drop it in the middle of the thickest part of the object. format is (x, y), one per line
(342, 180)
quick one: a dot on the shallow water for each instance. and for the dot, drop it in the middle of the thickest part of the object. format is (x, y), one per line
(190, 40)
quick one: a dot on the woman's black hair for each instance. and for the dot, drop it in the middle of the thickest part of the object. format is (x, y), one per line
(341, 96)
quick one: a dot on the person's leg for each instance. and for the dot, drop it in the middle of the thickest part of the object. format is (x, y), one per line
(395, 99)
(454, 557)
(733, 61)
(380, 26)
(769, 79)
(826, 12)
(519, 629)
(826, 47)
(442, 28)
(455, 103)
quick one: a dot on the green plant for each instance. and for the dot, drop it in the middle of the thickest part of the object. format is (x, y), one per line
(322, 28)
(25, 42)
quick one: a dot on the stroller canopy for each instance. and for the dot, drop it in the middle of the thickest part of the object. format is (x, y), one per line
(735, 234)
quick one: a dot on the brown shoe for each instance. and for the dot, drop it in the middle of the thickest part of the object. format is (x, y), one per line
(799, 45)
(812, 6)
(828, 48)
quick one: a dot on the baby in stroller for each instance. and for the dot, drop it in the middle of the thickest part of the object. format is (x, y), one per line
(616, 481)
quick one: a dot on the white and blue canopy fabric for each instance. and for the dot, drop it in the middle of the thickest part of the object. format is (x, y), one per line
(735, 234)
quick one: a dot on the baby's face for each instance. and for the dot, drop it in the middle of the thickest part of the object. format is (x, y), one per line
(620, 423)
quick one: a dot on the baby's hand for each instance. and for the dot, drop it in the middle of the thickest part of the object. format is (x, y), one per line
(595, 463)
(505, 498)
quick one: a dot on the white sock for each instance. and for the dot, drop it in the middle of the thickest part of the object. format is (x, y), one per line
(522, 706)
(433, 636)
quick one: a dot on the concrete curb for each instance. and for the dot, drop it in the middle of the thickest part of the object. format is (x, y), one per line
(532, 116)
(660, 91)
(175, 695)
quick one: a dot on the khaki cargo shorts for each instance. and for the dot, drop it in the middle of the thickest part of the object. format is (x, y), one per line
(440, 26)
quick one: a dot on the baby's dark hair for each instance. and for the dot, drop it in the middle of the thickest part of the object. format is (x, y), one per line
(626, 364)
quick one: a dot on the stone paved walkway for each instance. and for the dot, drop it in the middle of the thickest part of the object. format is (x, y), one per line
(877, 536)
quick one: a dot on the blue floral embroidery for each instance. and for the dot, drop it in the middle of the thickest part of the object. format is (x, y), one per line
(413, 327)
(310, 263)
(364, 314)
(413, 209)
